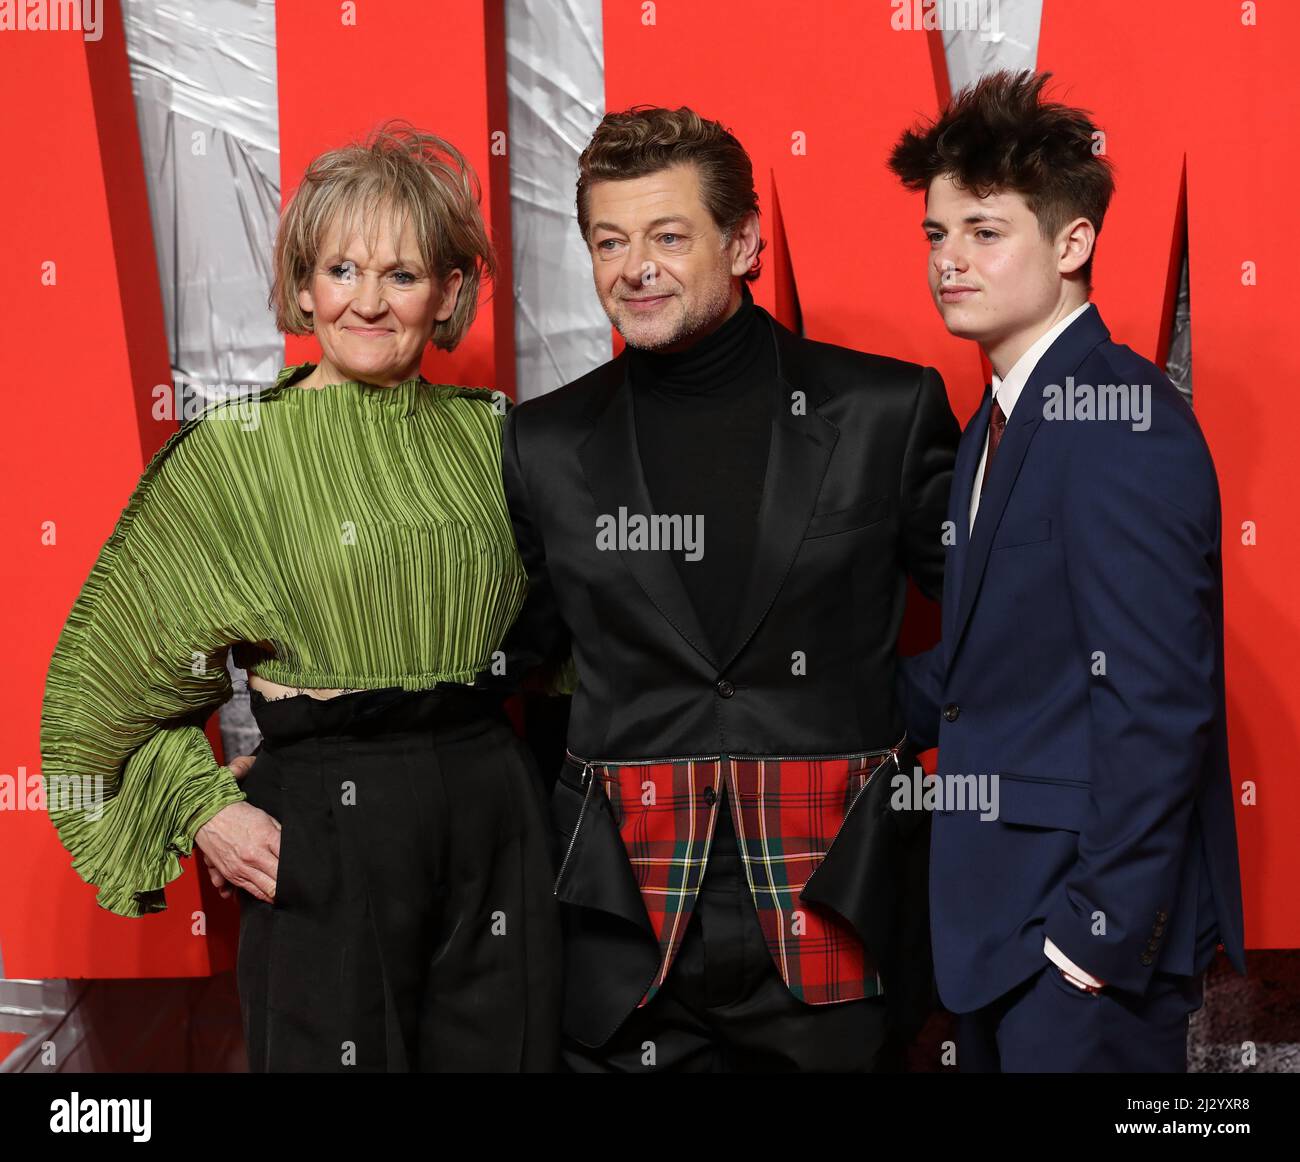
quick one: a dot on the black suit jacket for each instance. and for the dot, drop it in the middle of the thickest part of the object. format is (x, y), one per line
(856, 492)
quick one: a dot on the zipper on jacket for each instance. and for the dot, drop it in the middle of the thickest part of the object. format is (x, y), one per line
(693, 758)
(853, 754)
(862, 794)
(713, 758)
(588, 781)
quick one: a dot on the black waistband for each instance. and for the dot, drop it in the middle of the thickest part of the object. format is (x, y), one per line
(390, 710)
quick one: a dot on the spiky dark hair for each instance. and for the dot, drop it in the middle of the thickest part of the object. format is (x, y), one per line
(997, 135)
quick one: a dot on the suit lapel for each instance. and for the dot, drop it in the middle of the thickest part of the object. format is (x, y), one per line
(611, 463)
(963, 484)
(1019, 431)
(1059, 361)
(798, 456)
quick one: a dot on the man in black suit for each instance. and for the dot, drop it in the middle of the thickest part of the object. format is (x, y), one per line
(718, 527)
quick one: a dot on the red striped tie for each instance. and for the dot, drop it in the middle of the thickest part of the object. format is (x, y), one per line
(997, 424)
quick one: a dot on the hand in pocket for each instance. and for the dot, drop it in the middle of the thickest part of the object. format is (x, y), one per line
(241, 848)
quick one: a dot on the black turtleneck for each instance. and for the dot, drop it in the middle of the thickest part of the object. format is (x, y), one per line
(703, 424)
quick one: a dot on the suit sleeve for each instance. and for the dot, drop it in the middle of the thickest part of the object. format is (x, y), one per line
(918, 684)
(1142, 547)
(128, 772)
(536, 648)
(928, 459)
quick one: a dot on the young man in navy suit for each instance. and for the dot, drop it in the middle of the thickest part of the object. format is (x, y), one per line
(1083, 865)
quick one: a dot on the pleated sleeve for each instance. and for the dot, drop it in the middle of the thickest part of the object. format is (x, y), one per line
(139, 667)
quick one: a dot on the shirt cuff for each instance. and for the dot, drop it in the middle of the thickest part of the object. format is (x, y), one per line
(1057, 957)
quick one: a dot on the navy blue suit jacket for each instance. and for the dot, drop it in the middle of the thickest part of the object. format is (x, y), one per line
(1081, 664)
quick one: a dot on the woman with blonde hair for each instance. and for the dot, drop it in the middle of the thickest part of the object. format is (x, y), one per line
(351, 547)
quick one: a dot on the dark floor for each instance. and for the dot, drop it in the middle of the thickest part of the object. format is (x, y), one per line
(175, 1026)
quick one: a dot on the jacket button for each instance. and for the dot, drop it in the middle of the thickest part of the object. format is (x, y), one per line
(725, 688)
(951, 711)
(1147, 958)
(710, 796)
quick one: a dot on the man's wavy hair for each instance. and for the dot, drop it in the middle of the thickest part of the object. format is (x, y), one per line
(999, 135)
(646, 139)
(400, 170)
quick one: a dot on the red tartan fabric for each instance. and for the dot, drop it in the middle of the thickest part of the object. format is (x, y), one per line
(786, 813)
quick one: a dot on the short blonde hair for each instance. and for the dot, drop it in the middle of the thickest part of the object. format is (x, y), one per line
(397, 168)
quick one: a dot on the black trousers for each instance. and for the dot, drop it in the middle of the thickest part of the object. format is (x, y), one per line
(1047, 1025)
(724, 1007)
(413, 926)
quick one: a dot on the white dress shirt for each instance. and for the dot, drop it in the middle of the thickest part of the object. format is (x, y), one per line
(1007, 392)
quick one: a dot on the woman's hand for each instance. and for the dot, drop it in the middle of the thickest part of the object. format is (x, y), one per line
(240, 765)
(241, 845)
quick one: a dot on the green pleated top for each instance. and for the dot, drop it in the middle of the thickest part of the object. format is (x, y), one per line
(349, 536)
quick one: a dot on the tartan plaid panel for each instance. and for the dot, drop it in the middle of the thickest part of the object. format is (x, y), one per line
(786, 814)
(666, 825)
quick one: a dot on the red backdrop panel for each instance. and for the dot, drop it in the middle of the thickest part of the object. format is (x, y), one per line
(85, 345)
(818, 103)
(442, 67)
(1179, 86)
(79, 411)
